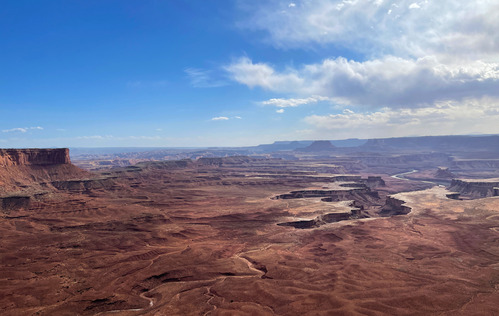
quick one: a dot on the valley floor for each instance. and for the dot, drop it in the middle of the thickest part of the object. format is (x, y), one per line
(205, 241)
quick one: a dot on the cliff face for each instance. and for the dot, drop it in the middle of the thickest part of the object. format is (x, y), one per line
(475, 188)
(444, 173)
(34, 156)
(29, 170)
(394, 206)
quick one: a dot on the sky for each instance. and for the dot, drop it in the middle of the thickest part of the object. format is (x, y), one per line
(128, 73)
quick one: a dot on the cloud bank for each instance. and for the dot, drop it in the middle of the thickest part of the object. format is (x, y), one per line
(382, 27)
(390, 81)
(409, 67)
(466, 117)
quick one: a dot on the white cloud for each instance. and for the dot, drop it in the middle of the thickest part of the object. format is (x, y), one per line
(237, 117)
(280, 111)
(202, 78)
(220, 118)
(438, 27)
(17, 129)
(284, 103)
(22, 129)
(468, 116)
(422, 67)
(291, 5)
(390, 81)
(244, 71)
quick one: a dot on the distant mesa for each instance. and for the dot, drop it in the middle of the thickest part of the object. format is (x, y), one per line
(438, 143)
(319, 145)
(282, 146)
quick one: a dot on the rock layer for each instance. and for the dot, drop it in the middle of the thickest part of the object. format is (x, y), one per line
(475, 188)
(394, 206)
(34, 156)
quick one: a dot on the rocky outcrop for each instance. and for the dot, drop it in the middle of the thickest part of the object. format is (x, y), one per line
(475, 188)
(14, 202)
(25, 170)
(394, 206)
(444, 173)
(84, 184)
(328, 195)
(359, 196)
(325, 219)
(34, 156)
(374, 182)
(454, 196)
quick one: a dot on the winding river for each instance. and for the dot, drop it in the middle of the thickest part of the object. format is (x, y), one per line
(402, 176)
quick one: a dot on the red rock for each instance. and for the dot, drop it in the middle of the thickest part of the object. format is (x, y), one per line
(34, 156)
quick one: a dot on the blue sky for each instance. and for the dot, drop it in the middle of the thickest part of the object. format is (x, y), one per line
(235, 73)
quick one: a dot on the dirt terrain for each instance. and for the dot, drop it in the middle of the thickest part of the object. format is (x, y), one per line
(213, 237)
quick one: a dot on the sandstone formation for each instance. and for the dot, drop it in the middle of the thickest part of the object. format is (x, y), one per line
(444, 173)
(325, 219)
(33, 156)
(394, 206)
(25, 174)
(14, 202)
(472, 188)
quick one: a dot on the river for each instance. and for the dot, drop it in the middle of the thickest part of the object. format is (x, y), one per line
(401, 176)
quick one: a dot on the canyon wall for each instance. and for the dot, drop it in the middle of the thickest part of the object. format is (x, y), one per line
(393, 207)
(34, 156)
(475, 188)
(464, 164)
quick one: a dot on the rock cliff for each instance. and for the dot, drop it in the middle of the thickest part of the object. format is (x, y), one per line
(475, 188)
(25, 170)
(393, 207)
(34, 156)
(444, 173)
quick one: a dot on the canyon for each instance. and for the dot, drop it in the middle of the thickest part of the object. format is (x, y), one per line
(322, 233)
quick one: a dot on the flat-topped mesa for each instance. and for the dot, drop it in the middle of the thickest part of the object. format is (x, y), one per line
(34, 156)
